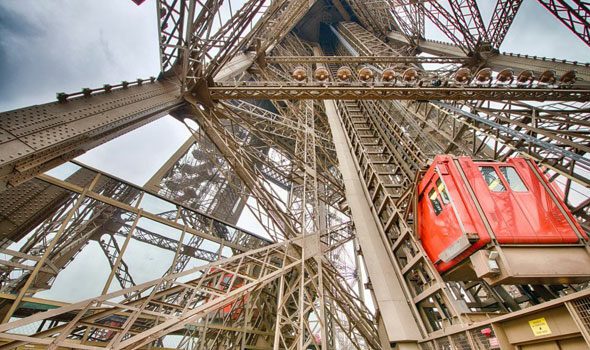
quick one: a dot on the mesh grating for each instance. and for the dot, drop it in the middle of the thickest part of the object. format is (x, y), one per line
(427, 346)
(582, 307)
(460, 341)
(443, 344)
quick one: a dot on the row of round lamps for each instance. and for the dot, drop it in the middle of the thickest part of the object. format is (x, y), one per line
(345, 73)
(507, 76)
(461, 76)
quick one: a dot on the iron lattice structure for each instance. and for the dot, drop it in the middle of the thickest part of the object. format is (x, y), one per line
(326, 163)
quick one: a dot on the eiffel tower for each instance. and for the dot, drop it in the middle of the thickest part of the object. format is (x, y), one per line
(319, 118)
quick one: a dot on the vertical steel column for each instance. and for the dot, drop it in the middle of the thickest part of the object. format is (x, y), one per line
(396, 314)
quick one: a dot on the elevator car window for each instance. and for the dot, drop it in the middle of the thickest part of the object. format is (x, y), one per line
(443, 191)
(435, 202)
(514, 181)
(492, 179)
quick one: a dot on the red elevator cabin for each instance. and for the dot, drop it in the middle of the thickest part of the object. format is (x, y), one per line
(500, 221)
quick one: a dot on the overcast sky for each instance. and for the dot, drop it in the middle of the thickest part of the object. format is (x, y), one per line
(52, 46)
(535, 31)
(64, 46)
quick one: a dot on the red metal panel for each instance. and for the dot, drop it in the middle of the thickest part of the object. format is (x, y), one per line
(526, 217)
(237, 306)
(525, 211)
(438, 232)
(562, 225)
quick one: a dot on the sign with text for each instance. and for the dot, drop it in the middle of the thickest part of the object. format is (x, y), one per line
(540, 327)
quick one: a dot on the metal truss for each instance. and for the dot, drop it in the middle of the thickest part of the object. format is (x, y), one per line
(449, 24)
(365, 59)
(385, 16)
(192, 300)
(190, 178)
(327, 167)
(501, 20)
(169, 310)
(279, 222)
(177, 216)
(55, 244)
(276, 125)
(106, 322)
(86, 223)
(462, 23)
(498, 61)
(467, 12)
(408, 17)
(196, 38)
(112, 251)
(575, 16)
(365, 16)
(33, 143)
(378, 91)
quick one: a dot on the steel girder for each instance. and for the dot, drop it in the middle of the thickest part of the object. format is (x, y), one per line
(198, 38)
(499, 61)
(467, 12)
(380, 91)
(119, 268)
(575, 16)
(501, 20)
(365, 59)
(448, 24)
(280, 224)
(194, 298)
(40, 137)
(464, 139)
(390, 140)
(190, 177)
(104, 210)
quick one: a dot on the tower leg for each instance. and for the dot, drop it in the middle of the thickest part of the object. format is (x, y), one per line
(398, 320)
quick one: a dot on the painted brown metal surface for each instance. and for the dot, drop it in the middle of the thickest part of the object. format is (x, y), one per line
(327, 167)
(285, 91)
(40, 137)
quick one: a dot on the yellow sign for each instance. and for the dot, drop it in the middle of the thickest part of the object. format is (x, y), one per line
(539, 327)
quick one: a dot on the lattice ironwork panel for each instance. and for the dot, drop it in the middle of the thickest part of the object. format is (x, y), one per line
(582, 307)
(481, 337)
(460, 341)
(427, 346)
(443, 344)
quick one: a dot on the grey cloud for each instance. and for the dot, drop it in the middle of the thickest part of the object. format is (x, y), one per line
(106, 50)
(52, 46)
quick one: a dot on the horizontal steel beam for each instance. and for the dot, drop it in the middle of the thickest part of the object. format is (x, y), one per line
(531, 140)
(365, 59)
(499, 61)
(574, 16)
(379, 91)
(37, 138)
(241, 240)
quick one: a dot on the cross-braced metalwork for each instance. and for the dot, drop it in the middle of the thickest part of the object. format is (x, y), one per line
(315, 119)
